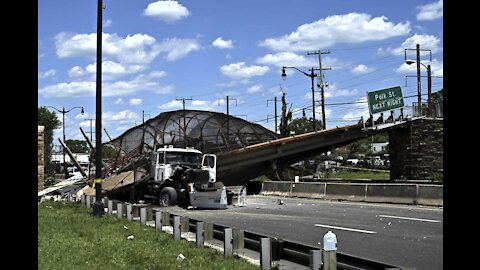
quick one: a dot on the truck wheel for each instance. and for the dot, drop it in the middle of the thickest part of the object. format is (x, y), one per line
(168, 196)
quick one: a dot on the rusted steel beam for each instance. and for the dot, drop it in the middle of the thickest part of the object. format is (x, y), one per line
(72, 158)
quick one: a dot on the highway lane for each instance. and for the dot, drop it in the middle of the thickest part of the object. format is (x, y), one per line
(402, 235)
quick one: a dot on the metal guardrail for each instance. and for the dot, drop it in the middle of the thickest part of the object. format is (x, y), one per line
(294, 252)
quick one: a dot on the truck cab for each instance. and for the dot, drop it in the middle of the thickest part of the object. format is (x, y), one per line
(186, 177)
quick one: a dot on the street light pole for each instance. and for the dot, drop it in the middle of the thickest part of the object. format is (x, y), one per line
(63, 130)
(312, 76)
(429, 78)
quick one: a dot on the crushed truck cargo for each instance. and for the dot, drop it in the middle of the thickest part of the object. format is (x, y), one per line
(170, 176)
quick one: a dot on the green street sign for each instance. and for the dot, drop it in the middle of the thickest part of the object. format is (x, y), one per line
(385, 100)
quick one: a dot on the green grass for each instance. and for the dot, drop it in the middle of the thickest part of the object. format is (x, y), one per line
(70, 237)
(352, 175)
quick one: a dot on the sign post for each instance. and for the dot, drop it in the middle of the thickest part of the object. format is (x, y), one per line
(385, 99)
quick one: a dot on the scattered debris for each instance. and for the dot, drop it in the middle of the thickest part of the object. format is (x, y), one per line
(180, 257)
(130, 237)
(125, 227)
(280, 202)
(389, 223)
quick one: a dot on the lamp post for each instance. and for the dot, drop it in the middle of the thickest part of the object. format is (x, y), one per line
(312, 76)
(429, 79)
(63, 111)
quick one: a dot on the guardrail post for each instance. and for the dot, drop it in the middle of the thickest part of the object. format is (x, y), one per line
(105, 202)
(276, 247)
(238, 241)
(176, 227)
(120, 210)
(227, 242)
(165, 218)
(83, 199)
(158, 220)
(208, 231)
(135, 211)
(315, 259)
(110, 207)
(149, 214)
(199, 242)
(265, 253)
(330, 251)
(88, 200)
(143, 216)
(129, 212)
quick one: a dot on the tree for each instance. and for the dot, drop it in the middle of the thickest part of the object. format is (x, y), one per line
(303, 125)
(50, 121)
(77, 146)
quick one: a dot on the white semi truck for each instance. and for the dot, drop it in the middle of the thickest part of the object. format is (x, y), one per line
(184, 176)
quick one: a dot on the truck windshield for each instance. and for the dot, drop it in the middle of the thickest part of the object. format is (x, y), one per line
(184, 158)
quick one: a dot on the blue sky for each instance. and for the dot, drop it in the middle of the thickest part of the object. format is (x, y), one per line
(157, 51)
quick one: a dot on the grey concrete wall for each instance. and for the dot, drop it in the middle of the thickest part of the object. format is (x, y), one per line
(417, 194)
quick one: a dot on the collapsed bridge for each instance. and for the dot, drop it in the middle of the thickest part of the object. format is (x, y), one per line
(245, 150)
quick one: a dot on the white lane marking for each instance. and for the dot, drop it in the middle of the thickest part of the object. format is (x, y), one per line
(343, 228)
(409, 218)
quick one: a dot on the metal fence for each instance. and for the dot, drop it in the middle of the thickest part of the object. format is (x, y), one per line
(436, 109)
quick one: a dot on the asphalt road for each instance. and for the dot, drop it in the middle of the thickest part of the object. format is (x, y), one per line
(402, 235)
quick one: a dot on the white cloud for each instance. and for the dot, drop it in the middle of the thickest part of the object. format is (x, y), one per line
(358, 110)
(107, 23)
(118, 88)
(254, 89)
(362, 69)
(346, 28)
(167, 11)
(82, 116)
(135, 101)
(46, 74)
(426, 42)
(157, 74)
(122, 116)
(122, 128)
(240, 71)
(333, 91)
(112, 70)
(430, 12)
(86, 124)
(133, 49)
(222, 44)
(436, 67)
(203, 105)
(287, 59)
(174, 104)
(119, 101)
(76, 72)
(178, 48)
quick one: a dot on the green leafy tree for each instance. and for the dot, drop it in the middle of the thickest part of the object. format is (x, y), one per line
(50, 121)
(77, 146)
(303, 125)
(109, 152)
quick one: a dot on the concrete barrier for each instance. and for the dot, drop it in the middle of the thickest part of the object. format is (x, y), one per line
(392, 193)
(309, 190)
(348, 192)
(279, 188)
(421, 194)
(430, 195)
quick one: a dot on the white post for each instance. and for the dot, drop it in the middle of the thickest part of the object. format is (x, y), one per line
(129, 212)
(158, 220)
(315, 259)
(143, 216)
(120, 210)
(83, 199)
(88, 200)
(176, 228)
(265, 253)
(199, 234)
(330, 251)
(228, 242)
(110, 207)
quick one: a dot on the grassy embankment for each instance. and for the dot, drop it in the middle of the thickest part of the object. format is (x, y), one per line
(70, 237)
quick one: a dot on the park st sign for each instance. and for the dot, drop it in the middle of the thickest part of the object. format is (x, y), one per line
(385, 99)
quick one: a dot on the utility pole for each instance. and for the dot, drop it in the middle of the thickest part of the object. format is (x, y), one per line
(98, 209)
(275, 103)
(321, 83)
(184, 121)
(228, 111)
(429, 78)
(419, 87)
(91, 132)
(143, 116)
